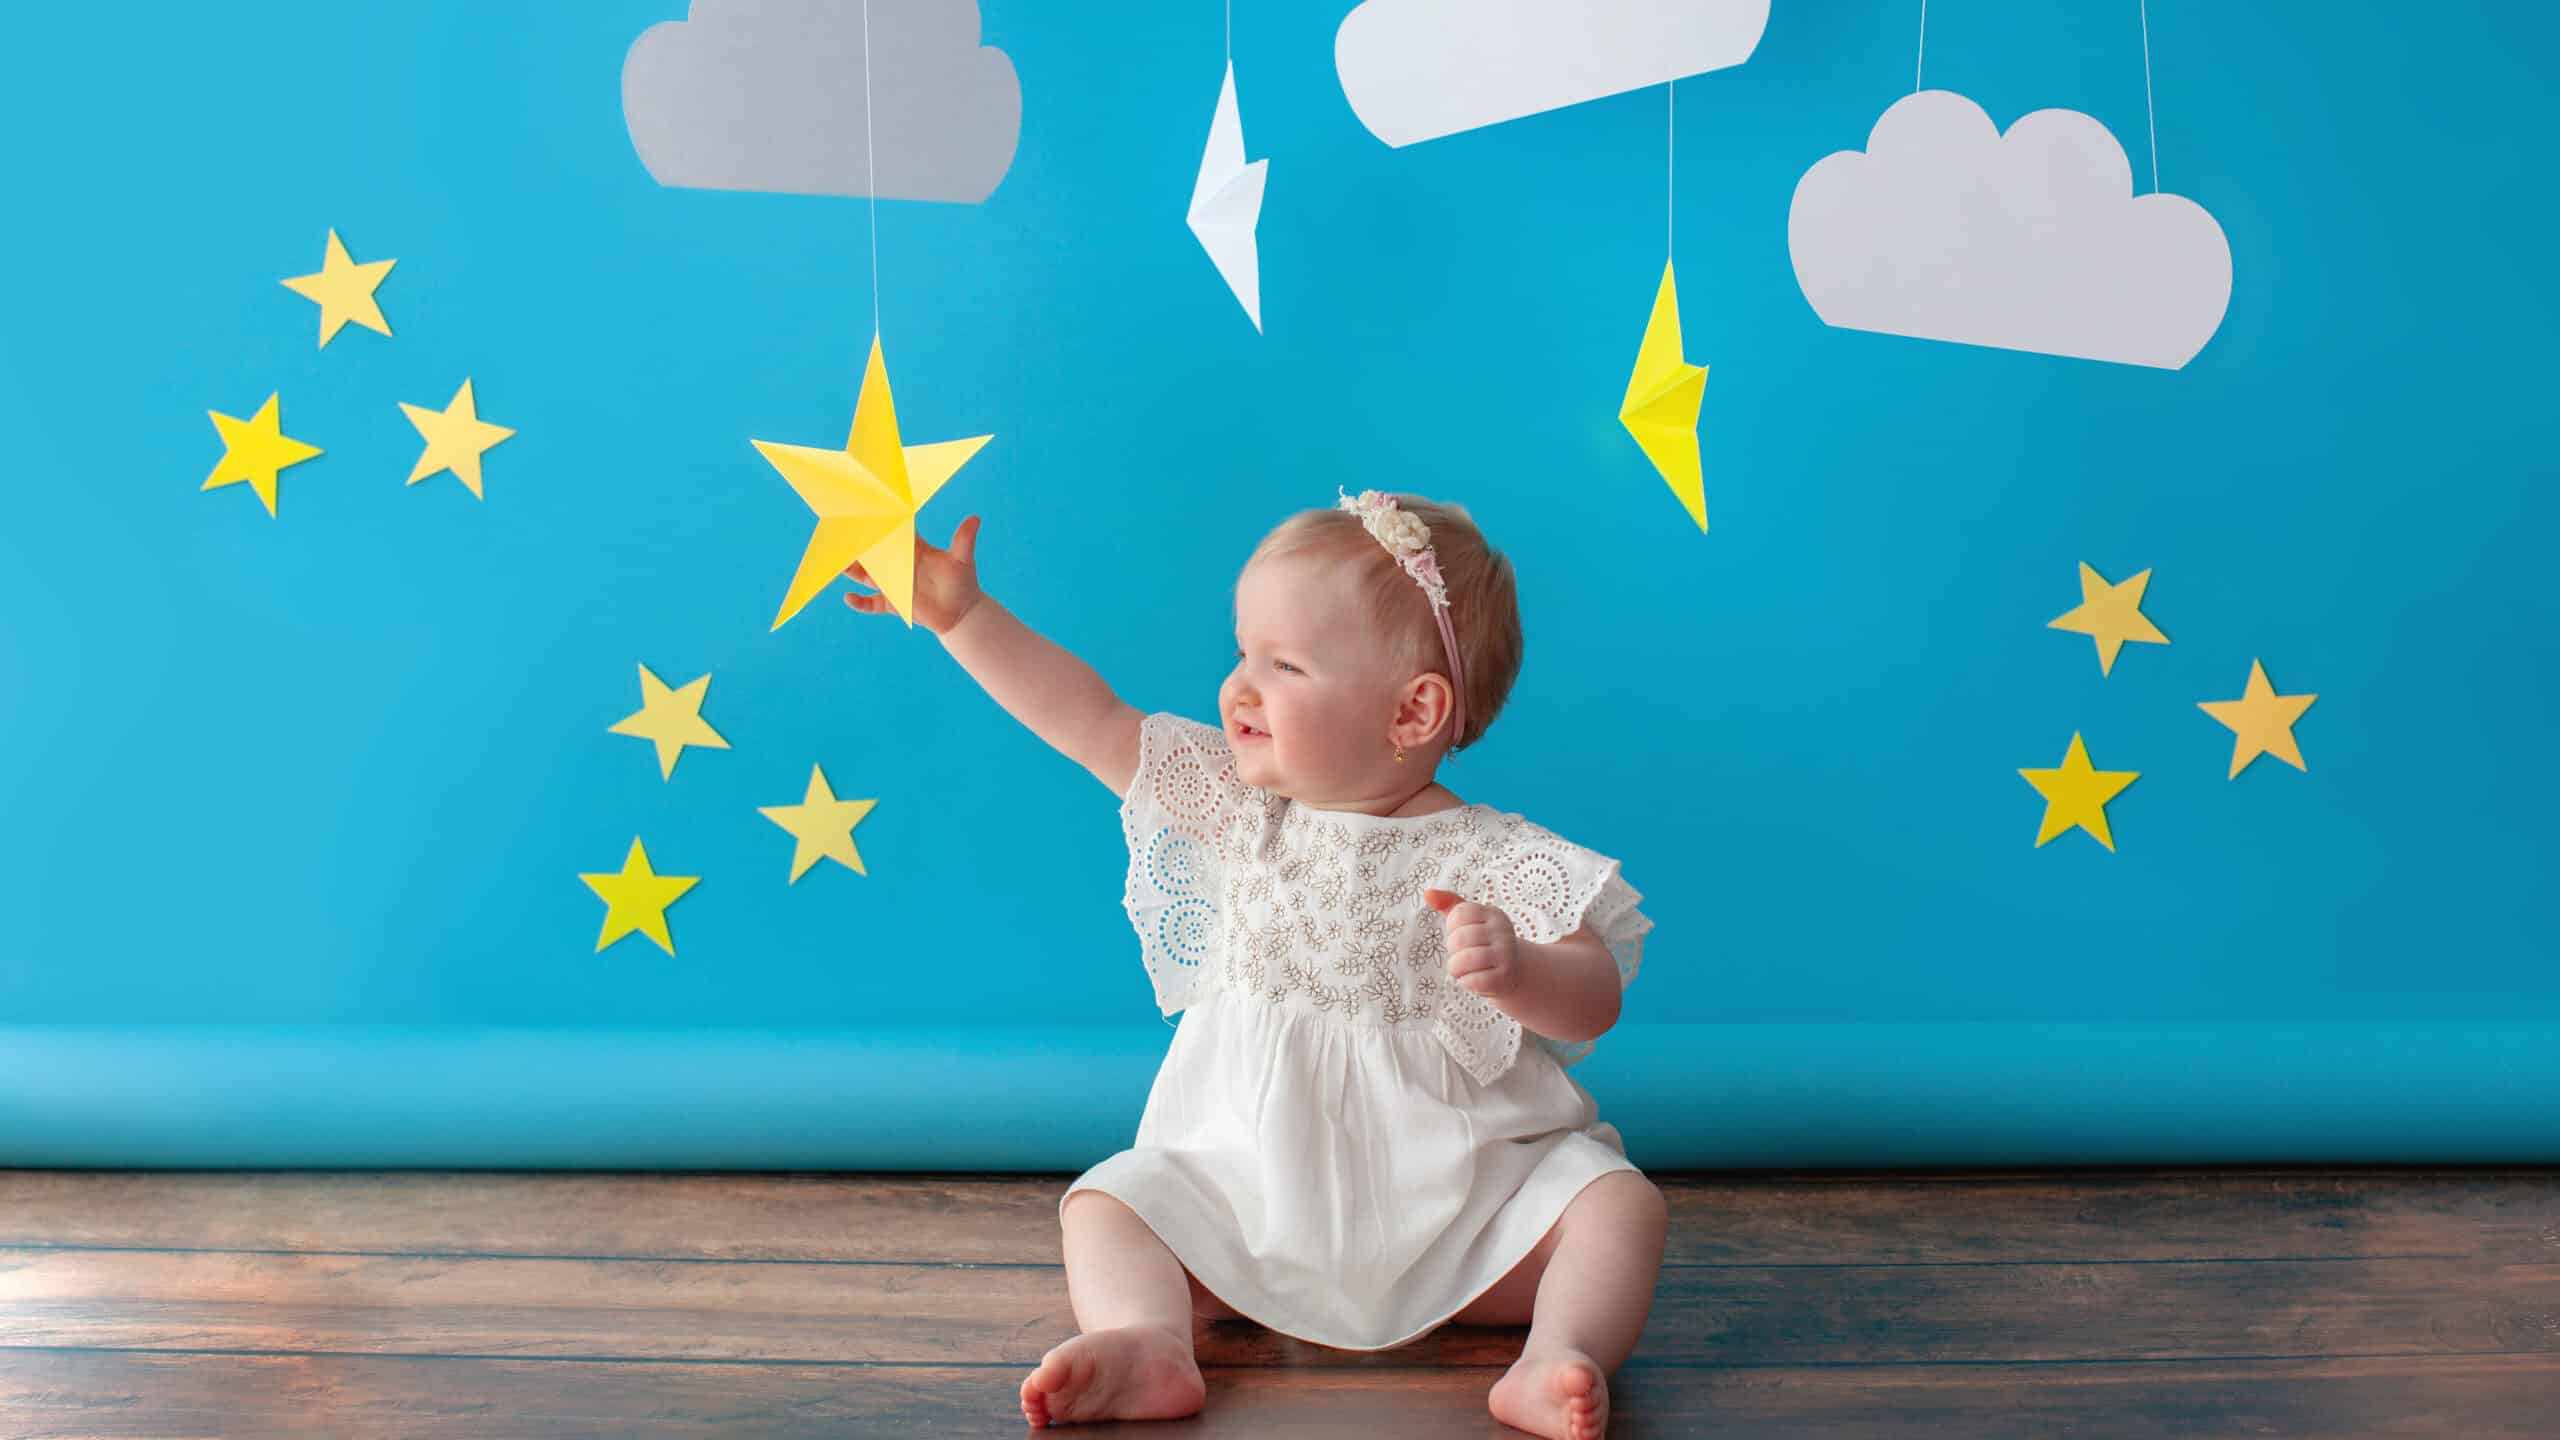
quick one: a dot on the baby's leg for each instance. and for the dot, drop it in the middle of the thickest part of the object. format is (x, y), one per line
(1132, 1300)
(1591, 1306)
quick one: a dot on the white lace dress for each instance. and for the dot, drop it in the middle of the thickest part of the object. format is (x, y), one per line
(1342, 1144)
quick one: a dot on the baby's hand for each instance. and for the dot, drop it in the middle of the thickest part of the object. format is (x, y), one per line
(946, 581)
(1484, 953)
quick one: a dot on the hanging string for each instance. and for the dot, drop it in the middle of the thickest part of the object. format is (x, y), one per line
(1924, 45)
(2147, 112)
(870, 169)
(1670, 135)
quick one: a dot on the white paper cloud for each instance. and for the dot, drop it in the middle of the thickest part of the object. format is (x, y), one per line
(768, 95)
(1945, 229)
(1418, 69)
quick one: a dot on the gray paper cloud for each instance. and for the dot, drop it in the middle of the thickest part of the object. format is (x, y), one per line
(1944, 228)
(1415, 70)
(767, 95)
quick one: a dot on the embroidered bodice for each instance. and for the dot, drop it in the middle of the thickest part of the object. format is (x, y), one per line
(1235, 887)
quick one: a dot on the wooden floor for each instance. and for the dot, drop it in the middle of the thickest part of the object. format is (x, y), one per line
(2276, 1302)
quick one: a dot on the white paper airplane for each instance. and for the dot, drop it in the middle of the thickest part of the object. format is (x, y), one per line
(1226, 201)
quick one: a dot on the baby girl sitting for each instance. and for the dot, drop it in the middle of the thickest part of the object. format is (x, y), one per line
(1347, 1141)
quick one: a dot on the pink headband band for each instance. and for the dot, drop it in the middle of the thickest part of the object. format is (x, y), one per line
(1408, 539)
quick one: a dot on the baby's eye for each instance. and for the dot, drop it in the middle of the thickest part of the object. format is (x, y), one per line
(1283, 664)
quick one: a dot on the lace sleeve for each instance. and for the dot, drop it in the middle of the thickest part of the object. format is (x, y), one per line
(1173, 816)
(1609, 907)
(1550, 887)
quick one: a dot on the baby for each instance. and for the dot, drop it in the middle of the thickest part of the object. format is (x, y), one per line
(1347, 1141)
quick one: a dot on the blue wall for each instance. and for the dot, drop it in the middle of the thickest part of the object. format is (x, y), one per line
(344, 766)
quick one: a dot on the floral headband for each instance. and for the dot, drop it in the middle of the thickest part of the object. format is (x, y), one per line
(1409, 540)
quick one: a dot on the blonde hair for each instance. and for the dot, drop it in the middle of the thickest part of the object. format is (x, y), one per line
(1484, 606)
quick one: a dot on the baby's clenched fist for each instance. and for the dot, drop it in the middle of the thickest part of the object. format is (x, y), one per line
(1484, 951)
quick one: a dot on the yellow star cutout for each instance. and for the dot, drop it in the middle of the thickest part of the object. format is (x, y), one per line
(254, 450)
(2261, 722)
(637, 899)
(456, 438)
(2112, 614)
(1661, 408)
(344, 290)
(866, 497)
(821, 826)
(673, 718)
(2077, 795)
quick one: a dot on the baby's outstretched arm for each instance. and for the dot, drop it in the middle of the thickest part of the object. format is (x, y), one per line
(1038, 682)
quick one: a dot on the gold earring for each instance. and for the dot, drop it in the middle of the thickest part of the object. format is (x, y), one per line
(1399, 755)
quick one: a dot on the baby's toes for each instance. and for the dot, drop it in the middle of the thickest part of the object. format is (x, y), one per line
(1585, 1398)
(1048, 1387)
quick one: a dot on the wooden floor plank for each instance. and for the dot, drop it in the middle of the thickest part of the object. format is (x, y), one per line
(2508, 1215)
(2291, 1301)
(106, 1395)
(662, 1310)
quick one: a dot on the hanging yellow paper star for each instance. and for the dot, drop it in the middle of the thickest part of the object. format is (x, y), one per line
(2261, 722)
(2112, 614)
(255, 449)
(1661, 408)
(637, 899)
(456, 437)
(344, 290)
(2077, 795)
(672, 718)
(866, 496)
(821, 826)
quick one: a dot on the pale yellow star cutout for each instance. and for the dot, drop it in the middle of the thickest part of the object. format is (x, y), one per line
(344, 290)
(866, 496)
(2261, 722)
(637, 899)
(456, 438)
(2077, 795)
(254, 450)
(2112, 614)
(821, 826)
(672, 718)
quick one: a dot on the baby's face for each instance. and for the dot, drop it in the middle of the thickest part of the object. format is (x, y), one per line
(1309, 679)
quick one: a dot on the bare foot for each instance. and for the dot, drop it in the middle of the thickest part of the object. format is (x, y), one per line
(1136, 1372)
(1560, 1394)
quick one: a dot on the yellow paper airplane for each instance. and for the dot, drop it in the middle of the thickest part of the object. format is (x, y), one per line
(866, 496)
(1661, 408)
